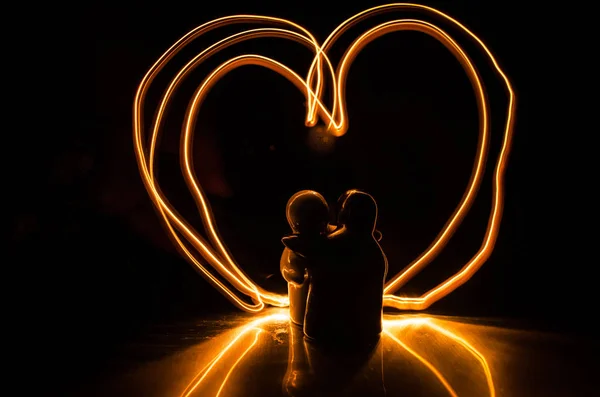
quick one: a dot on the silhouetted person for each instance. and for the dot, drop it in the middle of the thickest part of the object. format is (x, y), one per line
(307, 213)
(347, 274)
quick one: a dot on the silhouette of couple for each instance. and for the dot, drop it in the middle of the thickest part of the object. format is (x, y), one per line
(335, 272)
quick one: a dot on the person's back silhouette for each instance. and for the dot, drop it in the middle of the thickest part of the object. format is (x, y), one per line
(307, 213)
(345, 296)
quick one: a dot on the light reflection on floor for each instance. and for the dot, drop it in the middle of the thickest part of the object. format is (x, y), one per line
(417, 355)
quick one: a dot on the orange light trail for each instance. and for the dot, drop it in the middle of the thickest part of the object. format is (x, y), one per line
(429, 366)
(391, 329)
(240, 358)
(226, 268)
(390, 324)
(252, 326)
(464, 343)
(206, 370)
(215, 253)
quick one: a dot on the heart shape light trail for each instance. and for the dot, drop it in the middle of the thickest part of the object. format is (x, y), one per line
(201, 252)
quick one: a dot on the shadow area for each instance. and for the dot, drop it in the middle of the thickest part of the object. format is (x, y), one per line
(316, 370)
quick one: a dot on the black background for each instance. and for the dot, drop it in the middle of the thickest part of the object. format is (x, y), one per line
(86, 223)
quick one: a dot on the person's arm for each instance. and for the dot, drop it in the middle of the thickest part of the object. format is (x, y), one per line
(296, 244)
(291, 265)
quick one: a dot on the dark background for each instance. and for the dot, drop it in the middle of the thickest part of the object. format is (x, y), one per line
(87, 224)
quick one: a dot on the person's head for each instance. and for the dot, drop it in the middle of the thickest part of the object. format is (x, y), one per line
(357, 211)
(307, 212)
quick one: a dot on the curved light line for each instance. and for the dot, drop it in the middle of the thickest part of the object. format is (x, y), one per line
(478, 168)
(463, 342)
(249, 59)
(483, 254)
(240, 358)
(223, 262)
(203, 373)
(430, 322)
(206, 370)
(188, 166)
(429, 366)
(161, 204)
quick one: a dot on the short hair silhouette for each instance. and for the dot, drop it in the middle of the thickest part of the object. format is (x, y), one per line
(307, 212)
(357, 211)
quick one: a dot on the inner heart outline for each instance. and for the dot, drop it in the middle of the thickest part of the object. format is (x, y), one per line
(217, 255)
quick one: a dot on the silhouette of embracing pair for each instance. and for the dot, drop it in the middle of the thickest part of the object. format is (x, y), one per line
(335, 272)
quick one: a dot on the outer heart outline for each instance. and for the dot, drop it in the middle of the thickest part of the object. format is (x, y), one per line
(222, 260)
(202, 91)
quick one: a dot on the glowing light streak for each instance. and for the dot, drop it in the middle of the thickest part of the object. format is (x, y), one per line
(441, 240)
(254, 325)
(478, 168)
(240, 281)
(431, 323)
(464, 343)
(217, 255)
(392, 327)
(188, 131)
(205, 371)
(429, 366)
(258, 331)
